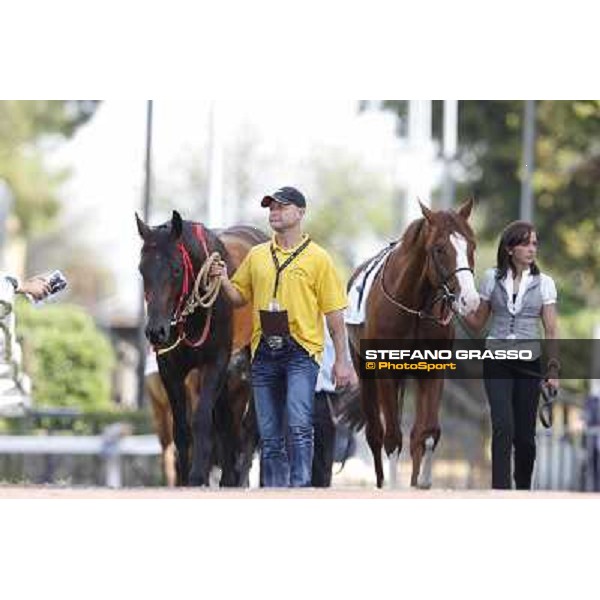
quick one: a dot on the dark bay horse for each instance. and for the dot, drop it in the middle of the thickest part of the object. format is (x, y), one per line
(238, 398)
(426, 276)
(189, 332)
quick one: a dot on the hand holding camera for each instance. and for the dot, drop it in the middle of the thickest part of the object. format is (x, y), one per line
(41, 287)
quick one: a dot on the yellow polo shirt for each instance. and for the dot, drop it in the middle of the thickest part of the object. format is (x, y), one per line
(309, 287)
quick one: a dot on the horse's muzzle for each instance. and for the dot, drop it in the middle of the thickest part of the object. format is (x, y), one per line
(467, 303)
(157, 335)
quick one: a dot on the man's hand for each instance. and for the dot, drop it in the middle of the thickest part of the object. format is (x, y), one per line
(37, 287)
(344, 375)
(219, 269)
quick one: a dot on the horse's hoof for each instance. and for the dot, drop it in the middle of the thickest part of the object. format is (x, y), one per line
(198, 481)
(424, 480)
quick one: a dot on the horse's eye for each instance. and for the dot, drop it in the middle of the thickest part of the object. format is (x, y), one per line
(438, 249)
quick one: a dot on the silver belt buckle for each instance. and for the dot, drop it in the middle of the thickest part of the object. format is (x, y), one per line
(275, 342)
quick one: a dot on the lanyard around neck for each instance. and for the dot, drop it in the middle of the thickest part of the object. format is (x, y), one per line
(279, 268)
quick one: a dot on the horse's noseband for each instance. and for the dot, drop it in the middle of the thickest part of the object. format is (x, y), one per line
(447, 296)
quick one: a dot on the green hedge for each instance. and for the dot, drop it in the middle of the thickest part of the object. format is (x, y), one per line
(68, 358)
(87, 423)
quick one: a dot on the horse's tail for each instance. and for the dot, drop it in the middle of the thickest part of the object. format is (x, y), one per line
(348, 411)
(349, 450)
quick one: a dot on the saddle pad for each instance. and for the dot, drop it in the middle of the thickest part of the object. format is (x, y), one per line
(361, 286)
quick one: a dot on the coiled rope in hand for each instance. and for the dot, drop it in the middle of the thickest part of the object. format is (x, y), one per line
(209, 285)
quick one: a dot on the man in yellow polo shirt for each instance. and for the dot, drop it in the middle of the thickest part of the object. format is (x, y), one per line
(291, 283)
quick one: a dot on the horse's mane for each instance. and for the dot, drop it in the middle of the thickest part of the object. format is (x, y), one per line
(412, 244)
(413, 237)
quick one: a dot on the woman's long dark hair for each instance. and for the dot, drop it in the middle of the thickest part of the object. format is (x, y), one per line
(514, 234)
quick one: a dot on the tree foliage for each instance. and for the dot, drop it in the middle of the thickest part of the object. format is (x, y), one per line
(352, 202)
(27, 128)
(566, 180)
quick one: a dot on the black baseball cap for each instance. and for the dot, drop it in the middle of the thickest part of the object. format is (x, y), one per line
(285, 195)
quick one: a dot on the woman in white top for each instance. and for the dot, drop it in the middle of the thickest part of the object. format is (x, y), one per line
(517, 298)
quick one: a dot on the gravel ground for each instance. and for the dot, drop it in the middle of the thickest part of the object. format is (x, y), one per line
(62, 493)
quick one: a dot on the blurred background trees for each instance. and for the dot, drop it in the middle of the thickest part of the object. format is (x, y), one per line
(27, 130)
(355, 203)
(69, 359)
(566, 181)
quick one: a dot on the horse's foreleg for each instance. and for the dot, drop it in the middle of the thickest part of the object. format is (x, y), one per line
(228, 438)
(213, 376)
(374, 428)
(397, 424)
(247, 440)
(426, 431)
(181, 431)
(388, 393)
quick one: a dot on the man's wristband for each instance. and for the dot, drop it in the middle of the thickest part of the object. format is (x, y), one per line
(14, 281)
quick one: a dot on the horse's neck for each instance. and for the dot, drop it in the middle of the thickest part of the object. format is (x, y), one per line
(194, 244)
(410, 286)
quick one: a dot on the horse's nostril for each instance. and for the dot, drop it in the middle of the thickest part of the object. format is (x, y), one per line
(156, 335)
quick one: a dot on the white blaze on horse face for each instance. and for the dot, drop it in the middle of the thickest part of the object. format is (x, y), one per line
(468, 298)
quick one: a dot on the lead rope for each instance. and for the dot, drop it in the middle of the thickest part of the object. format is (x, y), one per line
(206, 299)
(195, 299)
(211, 287)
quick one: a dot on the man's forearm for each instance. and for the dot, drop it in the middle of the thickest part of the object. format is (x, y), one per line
(337, 329)
(233, 294)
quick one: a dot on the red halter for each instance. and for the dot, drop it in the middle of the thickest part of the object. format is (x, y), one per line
(189, 277)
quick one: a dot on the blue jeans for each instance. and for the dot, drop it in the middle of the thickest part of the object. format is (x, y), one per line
(284, 382)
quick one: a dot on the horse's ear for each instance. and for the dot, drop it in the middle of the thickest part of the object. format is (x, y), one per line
(176, 225)
(142, 228)
(427, 212)
(465, 209)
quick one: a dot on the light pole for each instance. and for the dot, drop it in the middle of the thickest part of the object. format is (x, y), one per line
(449, 144)
(216, 216)
(420, 157)
(528, 161)
(141, 338)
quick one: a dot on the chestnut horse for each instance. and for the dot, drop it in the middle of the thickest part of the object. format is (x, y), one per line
(427, 275)
(190, 328)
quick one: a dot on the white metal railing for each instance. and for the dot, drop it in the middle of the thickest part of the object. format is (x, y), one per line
(114, 444)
